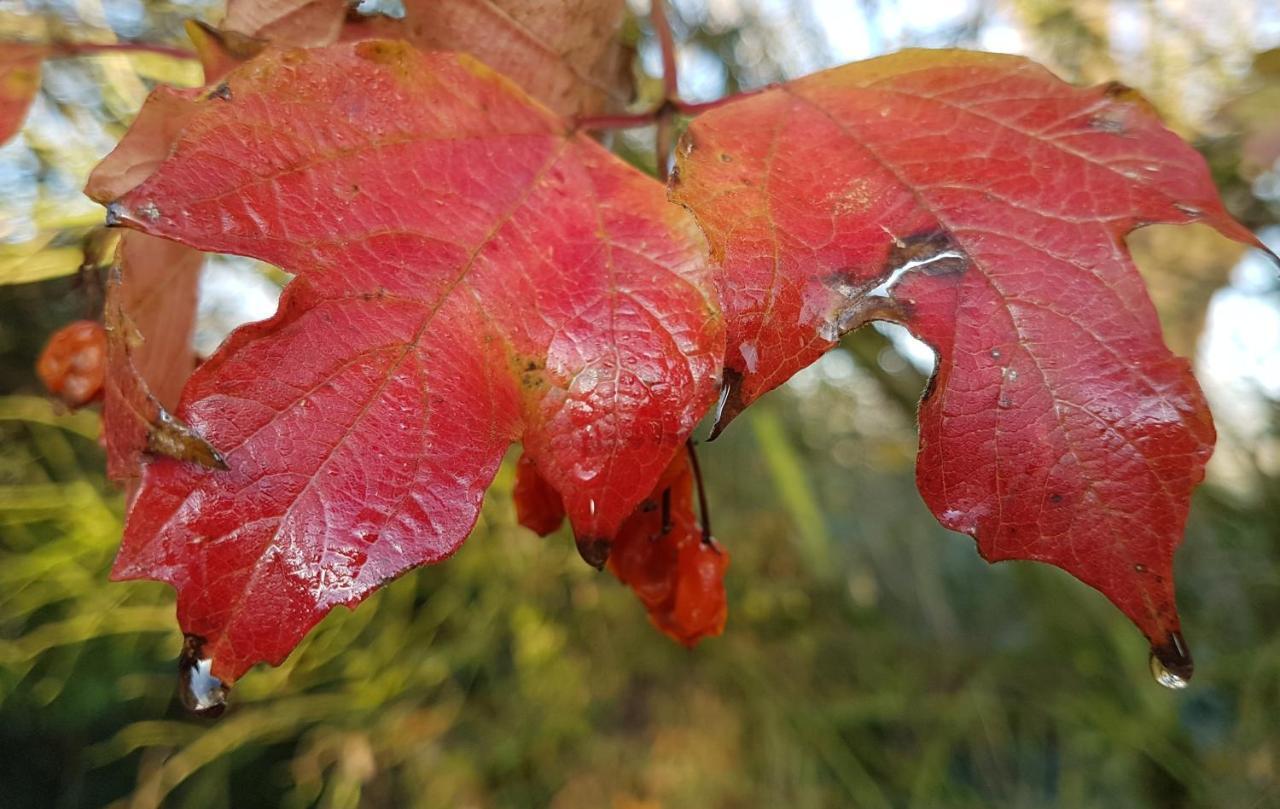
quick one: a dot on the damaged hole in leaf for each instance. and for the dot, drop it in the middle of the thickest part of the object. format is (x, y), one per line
(934, 252)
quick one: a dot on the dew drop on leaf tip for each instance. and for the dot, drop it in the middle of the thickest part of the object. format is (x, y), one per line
(1171, 663)
(198, 690)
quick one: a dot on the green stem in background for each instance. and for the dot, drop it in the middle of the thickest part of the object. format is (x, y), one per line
(787, 471)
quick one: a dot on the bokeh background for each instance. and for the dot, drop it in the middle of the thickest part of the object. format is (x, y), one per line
(871, 658)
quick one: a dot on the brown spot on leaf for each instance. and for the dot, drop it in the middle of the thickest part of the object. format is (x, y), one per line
(934, 251)
(169, 436)
(1121, 92)
(383, 51)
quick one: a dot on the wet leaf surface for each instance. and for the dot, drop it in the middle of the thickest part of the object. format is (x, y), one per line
(469, 273)
(983, 203)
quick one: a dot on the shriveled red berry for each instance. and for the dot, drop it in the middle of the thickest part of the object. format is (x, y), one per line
(697, 608)
(73, 365)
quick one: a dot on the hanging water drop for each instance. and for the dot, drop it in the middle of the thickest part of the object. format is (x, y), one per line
(198, 690)
(1171, 663)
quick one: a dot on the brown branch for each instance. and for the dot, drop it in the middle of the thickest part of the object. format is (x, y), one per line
(65, 49)
(662, 28)
(592, 123)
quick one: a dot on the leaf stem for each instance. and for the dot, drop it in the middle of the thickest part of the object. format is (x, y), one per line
(703, 509)
(662, 28)
(652, 117)
(633, 120)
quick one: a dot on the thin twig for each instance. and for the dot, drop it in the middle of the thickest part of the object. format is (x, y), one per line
(703, 508)
(63, 49)
(634, 120)
(664, 141)
(662, 28)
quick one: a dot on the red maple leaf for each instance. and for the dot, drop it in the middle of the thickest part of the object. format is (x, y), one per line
(469, 272)
(981, 202)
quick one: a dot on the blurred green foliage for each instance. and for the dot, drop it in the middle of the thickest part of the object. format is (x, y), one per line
(871, 658)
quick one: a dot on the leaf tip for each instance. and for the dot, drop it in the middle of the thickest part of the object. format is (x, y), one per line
(594, 550)
(1171, 663)
(730, 404)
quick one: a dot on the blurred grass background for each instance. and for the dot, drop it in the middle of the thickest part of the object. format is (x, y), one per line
(871, 658)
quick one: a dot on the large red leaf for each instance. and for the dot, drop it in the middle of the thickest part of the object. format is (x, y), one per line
(994, 198)
(469, 272)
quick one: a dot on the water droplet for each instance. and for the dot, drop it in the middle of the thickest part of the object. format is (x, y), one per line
(587, 380)
(1190, 210)
(150, 211)
(995, 353)
(586, 471)
(1171, 663)
(593, 550)
(198, 690)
